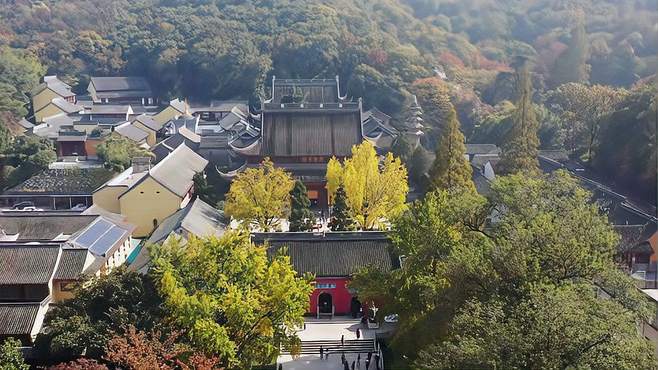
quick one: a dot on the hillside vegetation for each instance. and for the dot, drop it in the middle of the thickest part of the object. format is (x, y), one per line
(207, 49)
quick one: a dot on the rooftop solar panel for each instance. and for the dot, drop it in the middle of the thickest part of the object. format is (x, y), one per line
(93, 233)
(107, 241)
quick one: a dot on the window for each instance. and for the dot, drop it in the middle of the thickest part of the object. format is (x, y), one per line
(325, 286)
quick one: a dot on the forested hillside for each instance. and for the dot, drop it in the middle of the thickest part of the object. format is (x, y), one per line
(203, 49)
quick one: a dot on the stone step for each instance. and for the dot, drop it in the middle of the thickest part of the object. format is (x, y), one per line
(335, 346)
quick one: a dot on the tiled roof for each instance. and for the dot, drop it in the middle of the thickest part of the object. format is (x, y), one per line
(313, 91)
(120, 83)
(149, 121)
(42, 227)
(71, 264)
(71, 181)
(17, 319)
(131, 132)
(27, 264)
(198, 218)
(175, 171)
(67, 107)
(482, 149)
(109, 109)
(333, 254)
(310, 134)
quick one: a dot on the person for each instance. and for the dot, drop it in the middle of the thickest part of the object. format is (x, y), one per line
(353, 365)
(367, 364)
(321, 352)
(280, 366)
(346, 366)
(342, 358)
(326, 354)
(358, 333)
(358, 360)
(342, 340)
(377, 361)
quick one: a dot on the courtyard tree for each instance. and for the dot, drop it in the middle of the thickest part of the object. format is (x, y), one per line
(139, 350)
(101, 308)
(374, 190)
(260, 197)
(117, 152)
(10, 356)
(301, 216)
(341, 217)
(230, 298)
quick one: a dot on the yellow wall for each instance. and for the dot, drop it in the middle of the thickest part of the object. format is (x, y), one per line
(43, 98)
(150, 140)
(108, 198)
(48, 111)
(60, 295)
(148, 201)
(166, 114)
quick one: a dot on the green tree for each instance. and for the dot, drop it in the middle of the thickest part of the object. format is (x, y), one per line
(27, 156)
(230, 299)
(102, 307)
(571, 65)
(433, 96)
(555, 327)
(301, 216)
(341, 218)
(20, 72)
(583, 108)
(519, 151)
(402, 148)
(10, 357)
(117, 152)
(468, 287)
(451, 167)
(260, 196)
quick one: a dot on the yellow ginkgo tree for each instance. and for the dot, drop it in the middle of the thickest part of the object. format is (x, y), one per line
(260, 197)
(375, 188)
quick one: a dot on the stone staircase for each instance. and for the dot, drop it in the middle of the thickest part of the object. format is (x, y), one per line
(335, 348)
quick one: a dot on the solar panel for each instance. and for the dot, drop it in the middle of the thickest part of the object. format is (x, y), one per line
(92, 233)
(107, 241)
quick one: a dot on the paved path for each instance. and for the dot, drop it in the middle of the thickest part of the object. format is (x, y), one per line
(331, 331)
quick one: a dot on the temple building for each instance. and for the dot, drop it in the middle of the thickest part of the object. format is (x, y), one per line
(300, 127)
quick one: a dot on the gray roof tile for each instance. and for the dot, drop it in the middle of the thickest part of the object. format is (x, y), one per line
(27, 264)
(17, 319)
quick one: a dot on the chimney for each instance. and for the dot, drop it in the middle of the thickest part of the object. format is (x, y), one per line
(141, 164)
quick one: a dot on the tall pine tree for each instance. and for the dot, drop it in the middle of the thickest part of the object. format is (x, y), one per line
(301, 216)
(451, 167)
(520, 149)
(571, 65)
(341, 219)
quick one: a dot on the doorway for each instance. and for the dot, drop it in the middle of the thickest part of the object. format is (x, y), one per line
(325, 303)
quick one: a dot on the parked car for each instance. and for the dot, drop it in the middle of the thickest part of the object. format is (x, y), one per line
(79, 207)
(22, 205)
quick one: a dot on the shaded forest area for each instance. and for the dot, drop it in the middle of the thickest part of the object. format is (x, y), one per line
(586, 55)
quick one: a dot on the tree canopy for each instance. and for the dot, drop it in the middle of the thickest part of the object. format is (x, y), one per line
(374, 191)
(477, 271)
(117, 152)
(260, 197)
(230, 299)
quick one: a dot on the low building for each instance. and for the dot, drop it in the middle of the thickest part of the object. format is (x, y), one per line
(198, 219)
(57, 106)
(51, 88)
(26, 274)
(149, 125)
(132, 132)
(121, 90)
(58, 189)
(333, 258)
(147, 195)
(174, 110)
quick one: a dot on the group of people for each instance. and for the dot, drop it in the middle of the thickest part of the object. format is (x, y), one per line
(324, 355)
